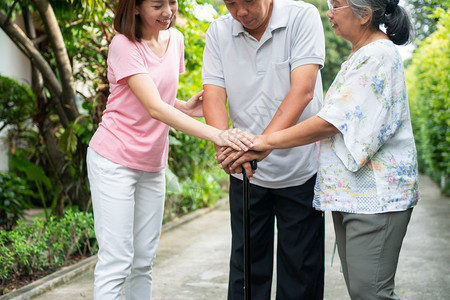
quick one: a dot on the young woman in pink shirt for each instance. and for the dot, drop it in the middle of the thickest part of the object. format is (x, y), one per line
(128, 153)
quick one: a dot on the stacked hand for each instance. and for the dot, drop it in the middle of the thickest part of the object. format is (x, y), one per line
(235, 139)
(232, 160)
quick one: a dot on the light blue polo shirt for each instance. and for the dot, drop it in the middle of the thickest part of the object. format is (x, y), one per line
(256, 76)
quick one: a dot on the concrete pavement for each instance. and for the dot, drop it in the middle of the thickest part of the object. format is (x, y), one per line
(192, 258)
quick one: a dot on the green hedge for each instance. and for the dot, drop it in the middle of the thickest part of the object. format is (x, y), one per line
(428, 91)
(45, 246)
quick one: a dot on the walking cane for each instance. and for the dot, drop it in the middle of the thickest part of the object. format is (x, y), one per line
(246, 217)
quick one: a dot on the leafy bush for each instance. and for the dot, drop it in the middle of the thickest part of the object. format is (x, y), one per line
(200, 190)
(45, 246)
(428, 90)
(189, 155)
(38, 180)
(16, 102)
(14, 199)
(194, 180)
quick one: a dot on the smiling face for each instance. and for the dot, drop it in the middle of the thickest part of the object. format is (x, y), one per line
(344, 21)
(156, 15)
(254, 15)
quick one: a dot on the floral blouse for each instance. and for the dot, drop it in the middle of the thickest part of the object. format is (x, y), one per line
(371, 165)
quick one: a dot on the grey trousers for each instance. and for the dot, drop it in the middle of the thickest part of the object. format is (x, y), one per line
(369, 247)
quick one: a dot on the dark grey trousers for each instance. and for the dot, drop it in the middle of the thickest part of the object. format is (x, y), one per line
(369, 247)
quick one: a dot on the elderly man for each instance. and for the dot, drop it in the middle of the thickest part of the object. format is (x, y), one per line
(264, 58)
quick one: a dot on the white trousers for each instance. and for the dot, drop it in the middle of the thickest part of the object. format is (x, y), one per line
(128, 209)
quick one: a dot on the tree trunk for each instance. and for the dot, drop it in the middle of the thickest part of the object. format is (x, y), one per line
(62, 58)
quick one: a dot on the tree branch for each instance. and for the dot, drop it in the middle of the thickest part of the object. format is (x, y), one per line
(27, 47)
(19, 38)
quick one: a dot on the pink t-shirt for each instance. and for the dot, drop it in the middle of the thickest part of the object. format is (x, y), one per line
(128, 135)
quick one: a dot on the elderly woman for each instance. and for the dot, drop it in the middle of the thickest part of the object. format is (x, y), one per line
(368, 168)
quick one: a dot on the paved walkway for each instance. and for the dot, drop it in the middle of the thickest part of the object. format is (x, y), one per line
(192, 259)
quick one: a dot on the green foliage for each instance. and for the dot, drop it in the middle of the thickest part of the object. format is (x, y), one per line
(87, 39)
(14, 199)
(29, 160)
(422, 11)
(17, 103)
(428, 90)
(82, 24)
(45, 246)
(86, 26)
(17, 108)
(189, 155)
(77, 131)
(202, 189)
(194, 41)
(84, 8)
(36, 175)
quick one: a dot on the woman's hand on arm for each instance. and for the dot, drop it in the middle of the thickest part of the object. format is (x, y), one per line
(193, 107)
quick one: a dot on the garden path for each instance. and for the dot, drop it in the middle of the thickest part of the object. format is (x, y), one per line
(192, 260)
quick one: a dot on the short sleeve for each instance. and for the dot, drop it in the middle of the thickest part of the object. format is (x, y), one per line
(212, 70)
(309, 42)
(362, 105)
(125, 58)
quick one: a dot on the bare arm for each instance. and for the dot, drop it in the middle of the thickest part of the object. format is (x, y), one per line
(214, 106)
(145, 90)
(307, 132)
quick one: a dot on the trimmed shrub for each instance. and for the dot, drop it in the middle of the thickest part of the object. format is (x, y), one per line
(428, 90)
(45, 246)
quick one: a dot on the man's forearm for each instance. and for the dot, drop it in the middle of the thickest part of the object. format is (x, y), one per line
(214, 107)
